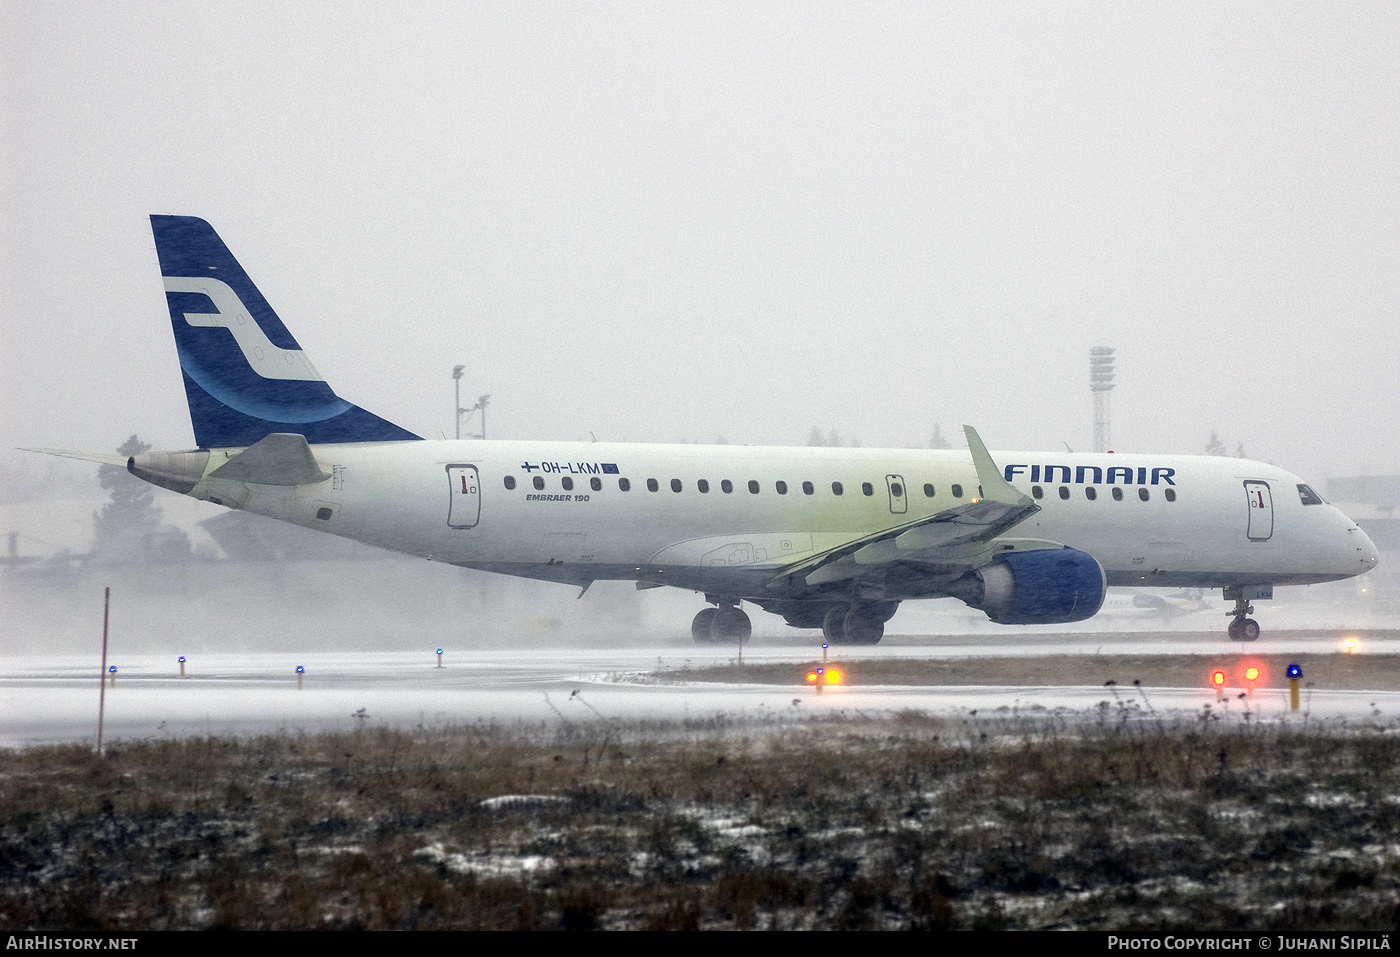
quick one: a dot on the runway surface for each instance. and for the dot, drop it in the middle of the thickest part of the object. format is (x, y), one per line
(55, 698)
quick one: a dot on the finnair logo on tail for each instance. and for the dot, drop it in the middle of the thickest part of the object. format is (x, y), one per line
(267, 360)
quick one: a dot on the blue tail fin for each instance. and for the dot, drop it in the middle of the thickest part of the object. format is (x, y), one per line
(245, 376)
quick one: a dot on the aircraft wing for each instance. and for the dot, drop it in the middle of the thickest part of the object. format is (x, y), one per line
(951, 538)
(956, 538)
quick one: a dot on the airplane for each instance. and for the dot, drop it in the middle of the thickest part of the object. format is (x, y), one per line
(829, 538)
(1144, 606)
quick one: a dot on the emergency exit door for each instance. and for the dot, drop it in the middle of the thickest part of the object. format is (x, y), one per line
(899, 502)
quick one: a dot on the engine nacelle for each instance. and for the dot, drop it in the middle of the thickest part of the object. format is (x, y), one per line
(1043, 587)
(177, 471)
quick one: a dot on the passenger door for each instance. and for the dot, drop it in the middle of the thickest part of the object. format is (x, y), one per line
(464, 496)
(1261, 511)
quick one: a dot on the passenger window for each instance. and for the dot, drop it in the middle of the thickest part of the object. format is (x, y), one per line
(595, 483)
(928, 491)
(510, 481)
(726, 486)
(1143, 494)
(807, 488)
(675, 485)
(1118, 495)
(896, 490)
(1064, 492)
(753, 487)
(867, 488)
(653, 485)
(1308, 496)
(703, 485)
(568, 484)
(624, 485)
(780, 487)
(539, 483)
(1037, 492)
(836, 488)
(957, 491)
(1170, 494)
(1090, 492)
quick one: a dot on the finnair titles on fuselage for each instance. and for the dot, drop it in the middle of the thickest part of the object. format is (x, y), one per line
(827, 538)
(1093, 474)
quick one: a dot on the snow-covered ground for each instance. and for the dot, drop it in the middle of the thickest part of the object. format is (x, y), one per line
(55, 698)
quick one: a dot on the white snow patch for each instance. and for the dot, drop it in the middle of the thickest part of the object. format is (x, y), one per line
(511, 801)
(491, 865)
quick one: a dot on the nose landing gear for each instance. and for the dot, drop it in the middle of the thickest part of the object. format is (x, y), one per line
(1242, 627)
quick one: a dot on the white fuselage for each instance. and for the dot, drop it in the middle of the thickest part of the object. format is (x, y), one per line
(826, 537)
(559, 511)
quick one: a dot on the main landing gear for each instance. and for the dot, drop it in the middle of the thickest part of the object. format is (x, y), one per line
(1242, 628)
(860, 623)
(722, 625)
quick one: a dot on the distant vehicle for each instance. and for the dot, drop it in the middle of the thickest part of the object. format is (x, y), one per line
(829, 538)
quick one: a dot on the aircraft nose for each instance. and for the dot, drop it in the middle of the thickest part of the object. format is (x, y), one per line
(1366, 550)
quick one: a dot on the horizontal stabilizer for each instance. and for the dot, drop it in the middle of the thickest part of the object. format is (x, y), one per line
(101, 458)
(279, 459)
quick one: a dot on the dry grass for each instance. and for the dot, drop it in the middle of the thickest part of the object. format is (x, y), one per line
(1109, 821)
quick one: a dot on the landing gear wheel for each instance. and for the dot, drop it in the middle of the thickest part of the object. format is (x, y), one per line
(702, 628)
(730, 624)
(1241, 627)
(864, 628)
(834, 625)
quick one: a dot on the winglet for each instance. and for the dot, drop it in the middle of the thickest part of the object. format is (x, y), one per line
(994, 487)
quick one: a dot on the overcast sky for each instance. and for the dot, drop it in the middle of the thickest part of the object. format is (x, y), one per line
(661, 222)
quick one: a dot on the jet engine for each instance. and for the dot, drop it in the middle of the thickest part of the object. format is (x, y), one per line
(1042, 587)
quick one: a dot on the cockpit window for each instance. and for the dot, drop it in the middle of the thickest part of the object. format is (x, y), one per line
(1308, 496)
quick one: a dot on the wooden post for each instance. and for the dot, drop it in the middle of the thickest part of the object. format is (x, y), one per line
(102, 675)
